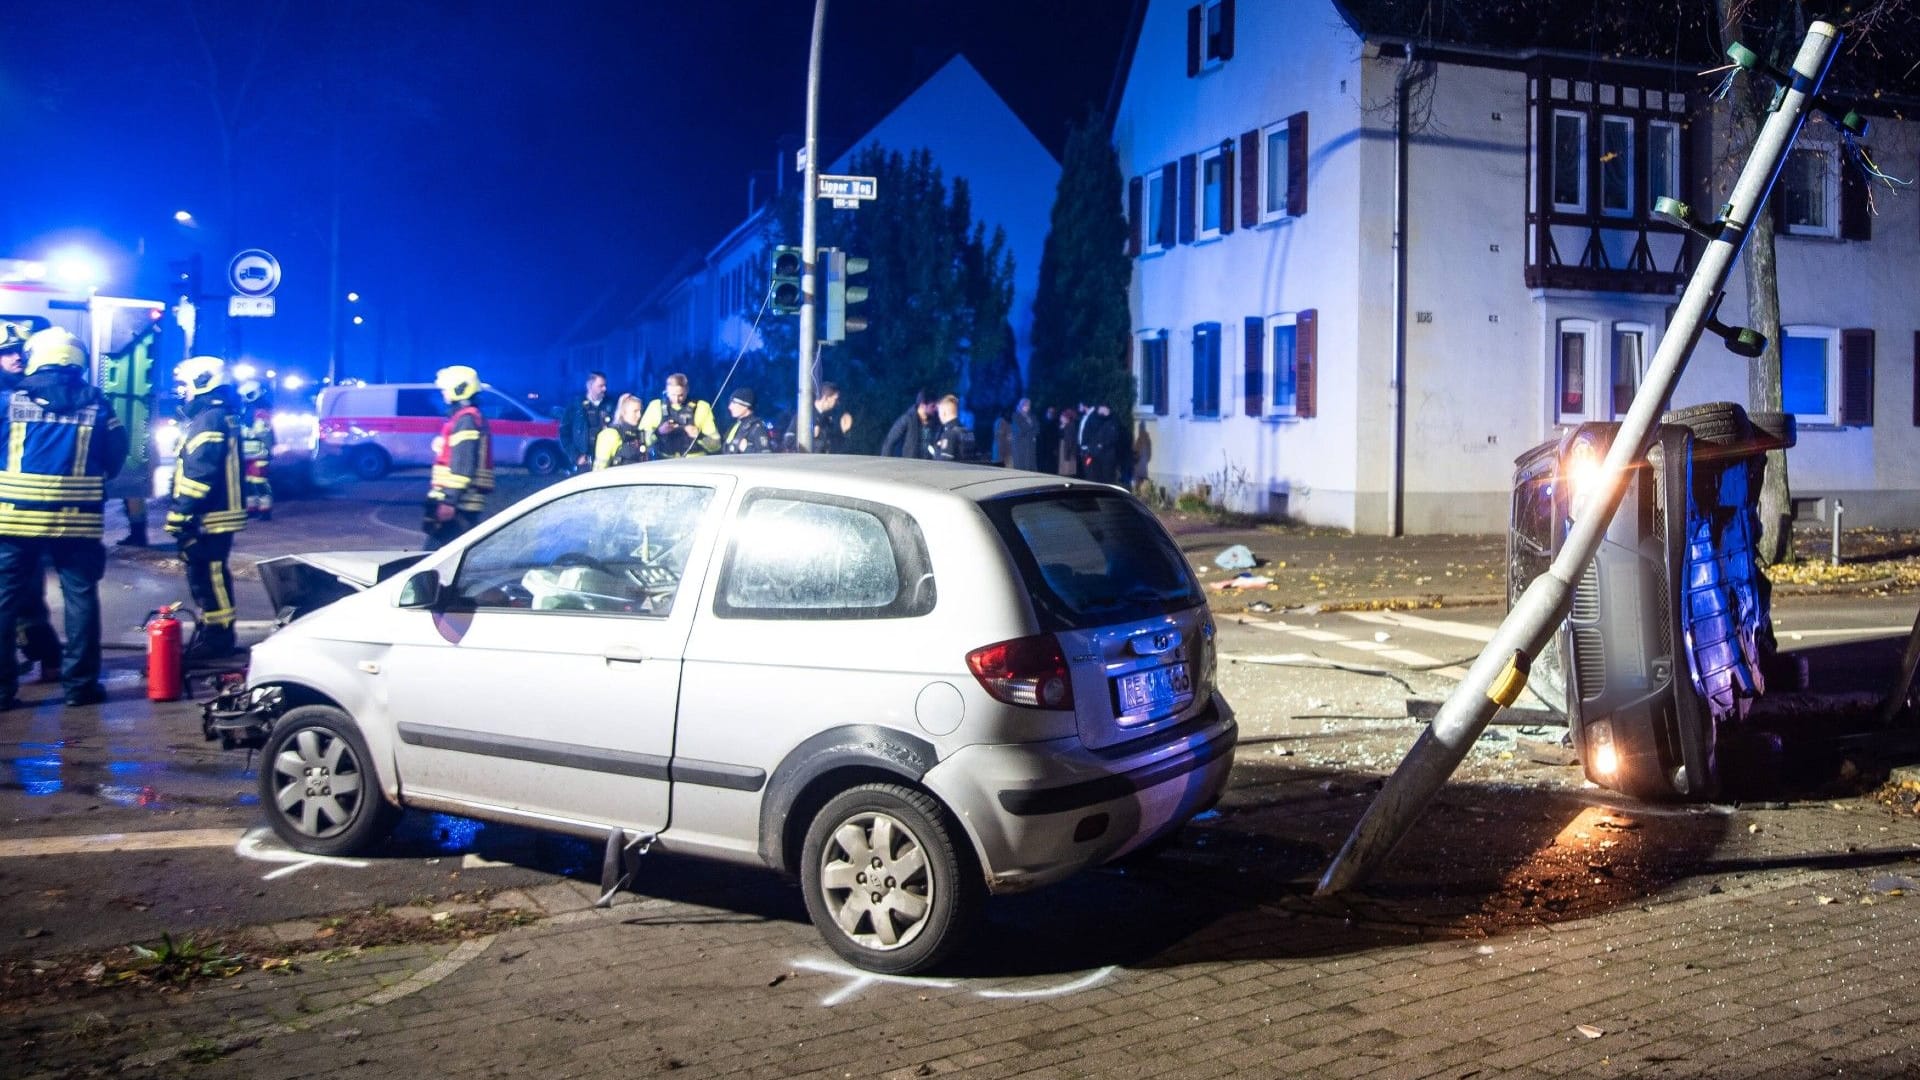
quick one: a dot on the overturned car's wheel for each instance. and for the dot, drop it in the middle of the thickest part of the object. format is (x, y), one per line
(318, 786)
(1721, 423)
(888, 882)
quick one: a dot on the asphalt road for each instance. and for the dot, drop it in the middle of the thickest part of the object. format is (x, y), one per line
(120, 823)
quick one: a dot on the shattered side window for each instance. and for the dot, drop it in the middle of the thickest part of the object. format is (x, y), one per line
(804, 556)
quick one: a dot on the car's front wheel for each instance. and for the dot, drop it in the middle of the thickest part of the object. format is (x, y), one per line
(889, 883)
(318, 784)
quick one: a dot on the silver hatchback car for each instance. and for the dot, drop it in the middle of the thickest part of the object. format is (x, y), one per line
(907, 683)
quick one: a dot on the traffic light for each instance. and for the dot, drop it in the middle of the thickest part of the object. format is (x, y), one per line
(840, 295)
(185, 276)
(788, 265)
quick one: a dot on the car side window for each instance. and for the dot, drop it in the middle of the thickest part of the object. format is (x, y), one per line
(418, 403)
(608, 550)
(803, 555)
(497, 406)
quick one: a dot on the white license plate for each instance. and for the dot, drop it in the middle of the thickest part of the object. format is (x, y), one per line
(1155, 690)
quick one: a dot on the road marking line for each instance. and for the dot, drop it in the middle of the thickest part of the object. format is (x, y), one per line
(101, 843)
(1409, 657)
(1319, 635)
(1451, 671)
(1840, 631)
(1446, 627)
(1365, 646)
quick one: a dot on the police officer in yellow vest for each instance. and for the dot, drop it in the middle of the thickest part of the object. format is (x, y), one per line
(207, 504)
(62, 443)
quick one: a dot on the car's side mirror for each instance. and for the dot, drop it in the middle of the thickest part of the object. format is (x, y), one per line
(422, 590)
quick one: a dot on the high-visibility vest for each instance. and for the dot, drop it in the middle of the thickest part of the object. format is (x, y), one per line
(49, 487)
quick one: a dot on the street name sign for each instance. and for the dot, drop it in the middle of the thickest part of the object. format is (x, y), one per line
(840, 188)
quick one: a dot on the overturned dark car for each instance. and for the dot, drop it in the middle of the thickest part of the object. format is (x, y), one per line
(1669, 640)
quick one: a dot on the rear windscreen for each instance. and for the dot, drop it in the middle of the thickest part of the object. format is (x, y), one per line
(1093, 558)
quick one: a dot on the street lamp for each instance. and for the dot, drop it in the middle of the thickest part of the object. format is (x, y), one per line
(353, 298)
(185, 218)
(358, 320)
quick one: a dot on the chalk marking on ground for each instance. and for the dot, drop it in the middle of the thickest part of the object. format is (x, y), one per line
(251, 847)
(102, 843)
(860, 981)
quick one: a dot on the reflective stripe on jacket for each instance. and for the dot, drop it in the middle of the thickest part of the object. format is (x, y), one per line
(206, 478)
(463, 467)
(54, 478)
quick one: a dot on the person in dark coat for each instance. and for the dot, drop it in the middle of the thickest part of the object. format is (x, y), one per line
(912, 434)
(1069, 442)
(1046, 456)
(1023, 436)
(584, 420)
(1100, 446)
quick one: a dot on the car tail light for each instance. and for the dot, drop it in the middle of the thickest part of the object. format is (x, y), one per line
(1030, 671)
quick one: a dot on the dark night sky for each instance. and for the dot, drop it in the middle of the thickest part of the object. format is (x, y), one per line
(500, 164)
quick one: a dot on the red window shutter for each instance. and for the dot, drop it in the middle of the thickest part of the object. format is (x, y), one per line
(1306, 353)
(1135, 200)
(1250, 179)
(1226, 29)
(1856, 218)
(1163, 230)
(1189, 175)
(1296, 164)
(1856, 377)
(1194, 15)
(1255, 387)
(1226, 187)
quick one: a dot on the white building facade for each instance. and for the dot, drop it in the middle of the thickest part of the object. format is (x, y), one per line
(1293, 358)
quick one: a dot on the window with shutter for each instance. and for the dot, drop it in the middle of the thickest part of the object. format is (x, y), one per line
(1135, 224)
(1150, 373)
(1283, 359)
(1810, 373)
(1306, 363)
(1189, 176)
(1297, 164)
(1274, 160)
(1211, 206)
(1806, 199)
(1194, 16)
(1250, 179)
(1206, 369)
(1572, 370)
(1856, 377)
(1163, 216)
(1856, 215)
(1254, 378)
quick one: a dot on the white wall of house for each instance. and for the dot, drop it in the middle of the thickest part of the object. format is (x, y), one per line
(971, 133)
(1289, 59)
(1484, 345)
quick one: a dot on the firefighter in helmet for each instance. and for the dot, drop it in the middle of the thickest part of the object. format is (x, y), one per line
(33, 623)
(62, 443)
(208, 506)
(256, 448)
(463, 465)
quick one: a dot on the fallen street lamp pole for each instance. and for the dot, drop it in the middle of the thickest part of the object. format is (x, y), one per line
(1498, 675)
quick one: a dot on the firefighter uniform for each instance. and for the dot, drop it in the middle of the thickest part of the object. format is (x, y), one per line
(208, 506)
(33, 622)
(463, 466)
(62, 442)
(256, 449)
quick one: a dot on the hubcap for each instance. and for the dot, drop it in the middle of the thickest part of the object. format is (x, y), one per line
(873, 876)
(316, 781)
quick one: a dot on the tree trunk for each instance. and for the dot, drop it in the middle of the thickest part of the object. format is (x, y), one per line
(1763, 314)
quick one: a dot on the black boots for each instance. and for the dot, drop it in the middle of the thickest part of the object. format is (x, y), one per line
(212, 643)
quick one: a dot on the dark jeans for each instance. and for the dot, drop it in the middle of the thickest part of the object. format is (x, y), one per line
(208, 579)
(81, 562)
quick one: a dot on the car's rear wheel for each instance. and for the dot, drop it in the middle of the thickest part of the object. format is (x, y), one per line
(544, 459)
(368, 462)
(888, 881)
(1720, 423)
(318, 785)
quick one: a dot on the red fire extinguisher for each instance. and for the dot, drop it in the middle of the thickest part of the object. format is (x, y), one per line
(164, 667)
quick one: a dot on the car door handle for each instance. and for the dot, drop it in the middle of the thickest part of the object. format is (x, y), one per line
(625, 654)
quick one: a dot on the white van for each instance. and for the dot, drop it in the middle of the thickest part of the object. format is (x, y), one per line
(367, 430)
